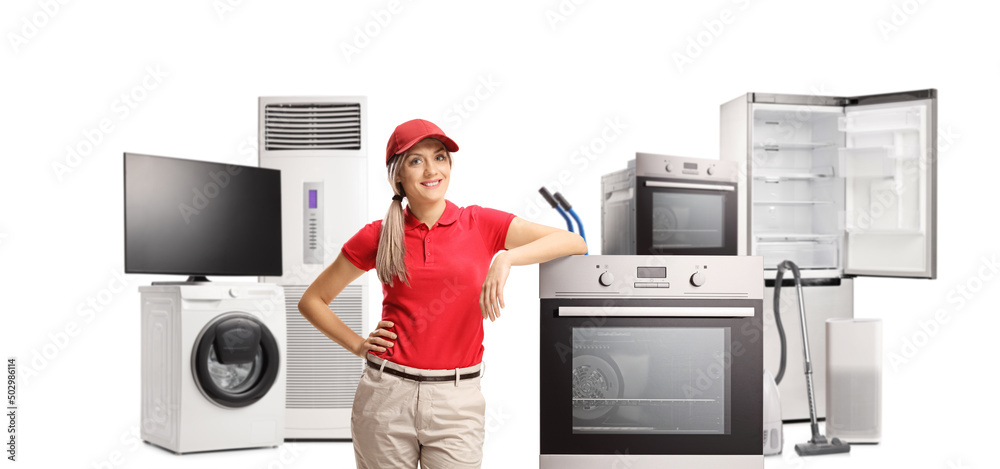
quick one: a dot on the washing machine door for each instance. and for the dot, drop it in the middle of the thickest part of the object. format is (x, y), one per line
(235, 360)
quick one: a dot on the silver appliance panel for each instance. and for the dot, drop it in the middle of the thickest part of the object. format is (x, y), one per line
(652, 277)
(679, 167)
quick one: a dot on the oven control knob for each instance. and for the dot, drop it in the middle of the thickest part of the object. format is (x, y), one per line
(607, 278)
(670, 167)
(697, 279)
(711, 170)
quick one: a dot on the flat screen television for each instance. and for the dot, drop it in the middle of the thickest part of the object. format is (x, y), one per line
(198, 218)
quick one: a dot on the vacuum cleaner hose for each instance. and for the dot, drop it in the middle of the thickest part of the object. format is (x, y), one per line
(781, 329)
(818, 444)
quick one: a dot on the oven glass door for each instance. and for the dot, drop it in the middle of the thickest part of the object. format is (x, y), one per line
(630, 380)
(650, 385)
(682, 218)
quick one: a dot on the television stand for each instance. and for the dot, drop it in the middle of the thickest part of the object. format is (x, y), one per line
(191, 280)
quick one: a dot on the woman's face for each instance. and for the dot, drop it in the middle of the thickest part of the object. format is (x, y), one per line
(426, 171)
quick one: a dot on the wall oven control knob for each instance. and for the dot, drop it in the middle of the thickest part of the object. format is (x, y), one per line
(607, 278)
(697, 279)
(711, 170)
(669, 167)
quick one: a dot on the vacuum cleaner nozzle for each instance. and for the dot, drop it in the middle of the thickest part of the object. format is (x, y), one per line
(819, 446)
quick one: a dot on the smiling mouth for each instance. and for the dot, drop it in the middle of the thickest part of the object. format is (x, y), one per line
(431, 184)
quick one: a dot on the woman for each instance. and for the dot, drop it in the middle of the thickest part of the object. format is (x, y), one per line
(419, 398)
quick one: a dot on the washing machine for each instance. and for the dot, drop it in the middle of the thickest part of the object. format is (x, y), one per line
(213, 366)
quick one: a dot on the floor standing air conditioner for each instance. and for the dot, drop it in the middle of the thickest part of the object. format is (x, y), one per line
(320, 146)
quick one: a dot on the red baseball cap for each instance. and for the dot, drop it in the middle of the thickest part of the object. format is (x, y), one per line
(409, 133)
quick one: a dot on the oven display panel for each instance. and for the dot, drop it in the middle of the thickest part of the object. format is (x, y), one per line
(651, 272)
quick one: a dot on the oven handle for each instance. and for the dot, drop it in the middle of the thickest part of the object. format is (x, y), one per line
(684, 185)
(656, 311)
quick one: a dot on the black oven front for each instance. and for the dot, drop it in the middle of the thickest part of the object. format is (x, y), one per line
(679, 217)
(632, 380)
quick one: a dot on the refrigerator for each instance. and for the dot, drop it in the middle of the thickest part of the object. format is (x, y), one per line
(845, 187)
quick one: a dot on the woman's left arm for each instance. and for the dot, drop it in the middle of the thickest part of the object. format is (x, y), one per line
(527, 243)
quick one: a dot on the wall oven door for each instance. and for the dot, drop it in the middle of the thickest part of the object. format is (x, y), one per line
(681, 217)
(650, 380)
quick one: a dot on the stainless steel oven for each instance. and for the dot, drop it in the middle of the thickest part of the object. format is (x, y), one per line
(664, 204)
(651, 361)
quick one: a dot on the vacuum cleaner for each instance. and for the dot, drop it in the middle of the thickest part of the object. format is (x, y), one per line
(818, 445)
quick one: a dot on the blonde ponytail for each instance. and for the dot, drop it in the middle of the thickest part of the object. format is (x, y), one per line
(390, 259)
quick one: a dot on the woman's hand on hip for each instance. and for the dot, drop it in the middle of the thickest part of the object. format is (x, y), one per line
(378, 340)
(491, 297)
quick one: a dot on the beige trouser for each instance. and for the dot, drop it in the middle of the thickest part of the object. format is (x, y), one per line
(397, 422)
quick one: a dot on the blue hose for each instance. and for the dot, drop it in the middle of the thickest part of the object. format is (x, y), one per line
(569, 224)
(580, 224)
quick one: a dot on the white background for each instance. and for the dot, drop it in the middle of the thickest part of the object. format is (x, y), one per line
(535, 82)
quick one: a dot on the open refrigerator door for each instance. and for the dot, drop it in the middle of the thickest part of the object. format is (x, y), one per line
(890, 167)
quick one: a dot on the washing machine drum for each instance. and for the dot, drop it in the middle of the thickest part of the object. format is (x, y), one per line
(235, 360)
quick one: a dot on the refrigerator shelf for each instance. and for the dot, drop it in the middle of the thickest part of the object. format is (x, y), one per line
(792, 202)
(809, 254)
(882, 120)
(794, 114)
(789, 174)
(915, 128)
(788, 146)
(886, 232)
(879, 151)
(784, 237)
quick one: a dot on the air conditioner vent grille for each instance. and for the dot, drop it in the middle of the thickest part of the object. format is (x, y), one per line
(312, 126)
(321, 374)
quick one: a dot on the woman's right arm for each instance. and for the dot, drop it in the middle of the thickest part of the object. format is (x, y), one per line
(315, 302)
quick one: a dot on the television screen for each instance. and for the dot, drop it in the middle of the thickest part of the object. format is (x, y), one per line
(198, 218)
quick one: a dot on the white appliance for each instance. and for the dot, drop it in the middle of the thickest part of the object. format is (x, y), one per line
(854, 380)
(213, 366)
(320, 146)
(841, 186)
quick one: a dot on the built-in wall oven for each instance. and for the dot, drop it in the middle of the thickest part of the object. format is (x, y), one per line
(651, 361)
(661, 204)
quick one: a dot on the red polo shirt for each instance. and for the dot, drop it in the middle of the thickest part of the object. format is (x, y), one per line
(437, 317)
